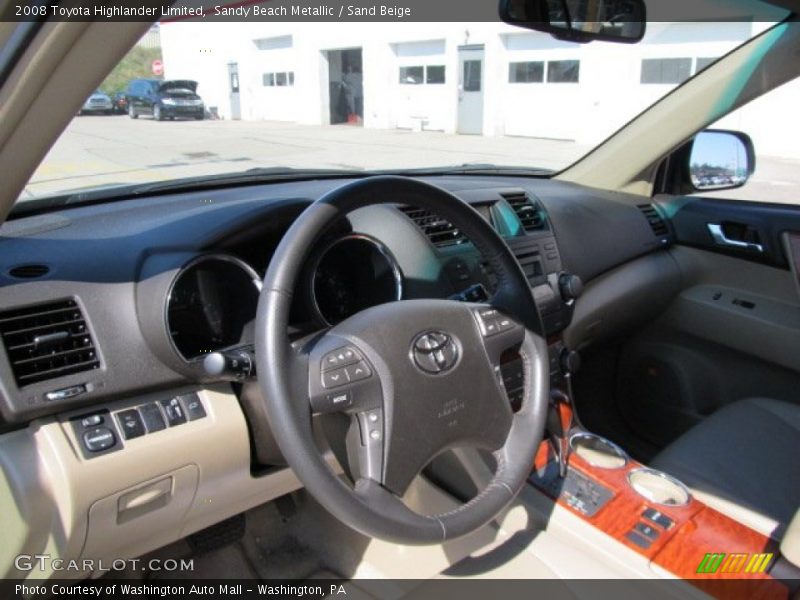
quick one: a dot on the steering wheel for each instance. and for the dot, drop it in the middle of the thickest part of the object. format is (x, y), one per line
(416, 377)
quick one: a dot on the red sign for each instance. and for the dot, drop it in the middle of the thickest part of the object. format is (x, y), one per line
(157, 67)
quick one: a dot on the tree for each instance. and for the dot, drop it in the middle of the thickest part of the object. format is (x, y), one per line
(136, 64)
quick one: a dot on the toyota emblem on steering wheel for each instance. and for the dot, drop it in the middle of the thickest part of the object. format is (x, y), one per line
(434, 352)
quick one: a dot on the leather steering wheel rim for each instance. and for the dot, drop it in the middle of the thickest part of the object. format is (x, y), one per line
(372, 506)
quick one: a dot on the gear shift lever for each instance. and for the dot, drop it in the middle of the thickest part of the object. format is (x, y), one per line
(559, 423)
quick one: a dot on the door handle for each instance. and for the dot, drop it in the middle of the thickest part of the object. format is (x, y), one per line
(720, 239)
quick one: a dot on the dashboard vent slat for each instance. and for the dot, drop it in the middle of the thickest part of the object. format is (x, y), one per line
(528, 210)
(47, 341)
(654, 219)
(32, 271)
(439, 231)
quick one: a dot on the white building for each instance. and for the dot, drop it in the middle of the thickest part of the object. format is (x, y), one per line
(487, 78)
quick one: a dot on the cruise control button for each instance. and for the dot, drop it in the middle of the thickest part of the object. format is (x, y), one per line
(174, 411)
(334, 378)
(358, 371)
(193, 406)
(99, 439)
(130, 423)
(152, 417)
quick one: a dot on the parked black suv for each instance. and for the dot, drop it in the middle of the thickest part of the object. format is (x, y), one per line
(164, 99)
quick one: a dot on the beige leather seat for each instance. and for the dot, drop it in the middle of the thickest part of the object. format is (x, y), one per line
(743, 460)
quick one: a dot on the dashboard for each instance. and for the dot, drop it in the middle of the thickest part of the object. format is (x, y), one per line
(107, 301)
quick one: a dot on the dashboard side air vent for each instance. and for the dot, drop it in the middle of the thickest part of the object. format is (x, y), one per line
(29, 271)
(46, 341)
(529, 211)
(439, 231)
(654, 219)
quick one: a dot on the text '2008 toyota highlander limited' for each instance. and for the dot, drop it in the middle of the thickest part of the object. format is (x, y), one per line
(286, 342)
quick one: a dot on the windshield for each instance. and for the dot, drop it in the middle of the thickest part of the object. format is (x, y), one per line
(196, 99)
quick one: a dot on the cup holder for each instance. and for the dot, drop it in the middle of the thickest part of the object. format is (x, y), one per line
(658, 487)
(598, 451)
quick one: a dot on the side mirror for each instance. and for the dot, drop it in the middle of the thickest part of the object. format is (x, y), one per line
(721, 160)
(579, 20)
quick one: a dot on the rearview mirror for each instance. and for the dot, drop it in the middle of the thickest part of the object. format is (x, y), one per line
(721, 159)
(579, 20)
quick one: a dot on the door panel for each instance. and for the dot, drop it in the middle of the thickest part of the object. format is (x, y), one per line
(734, 330)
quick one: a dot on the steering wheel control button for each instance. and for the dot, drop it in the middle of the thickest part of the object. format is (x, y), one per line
(174, 411)
(341, 357)
(488, 318)
(130, 423)
(335, 378)
(99, 439)
(152, 417)
(192, 406)
(371, 425)
(434, 352)
(358, 371)
(504, 324)
(92, 420)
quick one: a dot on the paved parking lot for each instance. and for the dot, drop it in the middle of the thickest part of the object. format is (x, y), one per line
(102, 150)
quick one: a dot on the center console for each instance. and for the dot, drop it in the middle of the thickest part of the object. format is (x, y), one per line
(655, 515)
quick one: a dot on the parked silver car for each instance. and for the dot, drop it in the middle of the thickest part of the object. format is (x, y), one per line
(97, 103)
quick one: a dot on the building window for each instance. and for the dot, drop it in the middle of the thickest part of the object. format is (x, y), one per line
(412, 75)
(526, 72)
(472, 75)
(281, 79)
(703, 62)
(434, 74)
(563, 71)
(670, 71)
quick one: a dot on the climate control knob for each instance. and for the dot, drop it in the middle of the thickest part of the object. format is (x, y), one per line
(570, 286)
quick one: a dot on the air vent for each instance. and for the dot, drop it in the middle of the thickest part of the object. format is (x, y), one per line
(528, 211)
(47, 341)
(438, 230)
(654, 219)
(28, 271)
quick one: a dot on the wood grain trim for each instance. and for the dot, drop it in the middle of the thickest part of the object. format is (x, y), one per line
(697, 529)
(711, 531)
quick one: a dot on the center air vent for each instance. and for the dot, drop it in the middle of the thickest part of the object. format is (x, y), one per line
(529, 211)
(439, 231)
(47, 341)
(654, 219)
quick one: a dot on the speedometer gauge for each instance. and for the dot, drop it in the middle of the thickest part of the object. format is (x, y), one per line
(212, 304)
(354, 273)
